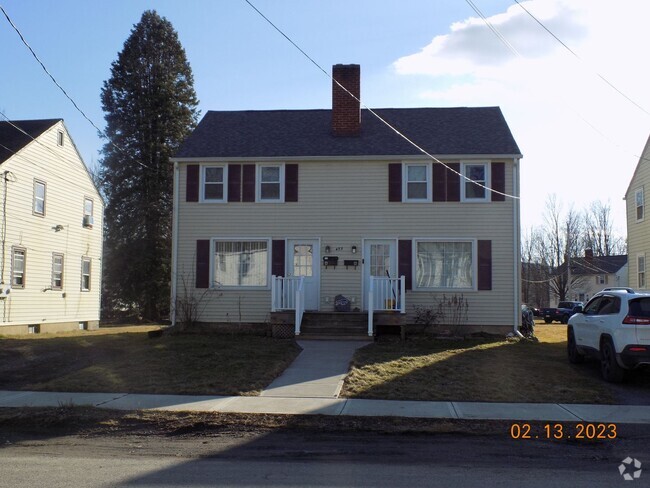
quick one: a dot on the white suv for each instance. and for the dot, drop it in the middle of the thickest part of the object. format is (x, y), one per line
(614, 326)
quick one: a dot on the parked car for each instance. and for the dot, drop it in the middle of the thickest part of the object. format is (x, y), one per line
(562, 313)
(614, 327)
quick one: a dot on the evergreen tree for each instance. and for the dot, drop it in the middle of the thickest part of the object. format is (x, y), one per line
(150, 107)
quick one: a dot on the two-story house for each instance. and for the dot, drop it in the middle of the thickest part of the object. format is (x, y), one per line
(340, 202)
(51, 231)
(638, 223)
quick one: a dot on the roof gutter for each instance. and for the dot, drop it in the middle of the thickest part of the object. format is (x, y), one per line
(368, 157)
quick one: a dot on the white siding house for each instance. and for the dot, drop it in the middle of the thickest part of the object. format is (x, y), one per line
(50, 230)
(337, 199)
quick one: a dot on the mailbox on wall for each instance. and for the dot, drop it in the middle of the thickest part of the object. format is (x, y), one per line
(330, 261)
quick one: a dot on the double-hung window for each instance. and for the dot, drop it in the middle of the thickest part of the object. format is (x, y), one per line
(213, 188)
(38, 206)
(18, 255)
(640, 263)
(85, 273)
(445, 264)
(476, 177)
(88, 212)
(417, 182)
(639, 204)
(270, 183)
(241, 263)
(57, 271)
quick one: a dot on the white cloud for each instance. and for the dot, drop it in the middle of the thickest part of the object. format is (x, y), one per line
(572, 128)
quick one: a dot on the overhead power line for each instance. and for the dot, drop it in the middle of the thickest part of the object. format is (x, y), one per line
(371, 111)
(610, 84)
(99, 131)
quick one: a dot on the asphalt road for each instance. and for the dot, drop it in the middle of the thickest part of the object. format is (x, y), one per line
(308, 459)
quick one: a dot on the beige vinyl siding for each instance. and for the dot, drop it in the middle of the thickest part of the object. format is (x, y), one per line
(61, 168)
(638, 233)
(343, 202)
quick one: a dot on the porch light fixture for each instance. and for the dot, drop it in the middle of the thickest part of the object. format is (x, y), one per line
(354, 249)
(327, 249)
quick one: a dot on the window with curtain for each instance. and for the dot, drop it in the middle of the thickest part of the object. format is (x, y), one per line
(445, 264)
(241, 263)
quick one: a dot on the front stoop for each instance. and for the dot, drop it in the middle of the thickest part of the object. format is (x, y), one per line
(335, 325)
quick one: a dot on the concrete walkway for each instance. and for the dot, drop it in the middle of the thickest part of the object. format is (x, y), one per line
(311, 385)
(318, 372)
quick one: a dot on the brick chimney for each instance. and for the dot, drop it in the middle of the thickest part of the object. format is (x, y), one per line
(589, 253)
(346, 111)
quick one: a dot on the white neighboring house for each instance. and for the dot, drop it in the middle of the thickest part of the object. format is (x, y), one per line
(50, 230)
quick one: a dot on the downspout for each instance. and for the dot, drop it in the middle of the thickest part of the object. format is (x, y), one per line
(516, 226)
(174, 245)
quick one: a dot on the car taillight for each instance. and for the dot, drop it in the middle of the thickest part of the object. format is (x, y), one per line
(638, 349)
(629, 319)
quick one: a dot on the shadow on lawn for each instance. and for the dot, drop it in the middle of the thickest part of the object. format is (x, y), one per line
(485, 370)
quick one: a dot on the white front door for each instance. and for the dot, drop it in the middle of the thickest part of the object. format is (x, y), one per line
(302, 260)
(379, 257)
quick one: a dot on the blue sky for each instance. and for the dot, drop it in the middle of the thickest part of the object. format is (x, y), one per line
(580, 139)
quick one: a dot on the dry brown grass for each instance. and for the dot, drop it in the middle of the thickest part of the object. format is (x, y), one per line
(125, 360)
(475, 370)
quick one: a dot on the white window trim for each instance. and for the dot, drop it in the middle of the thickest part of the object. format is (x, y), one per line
(636, 207)
(638, 271)
(202, 198)
(54, 256)
(414, 263)
(258, 182)
(60, 138)
(268, 240)
(90, 273)
(22, 250)
(34, 198)
(464, 181)
(405, 182)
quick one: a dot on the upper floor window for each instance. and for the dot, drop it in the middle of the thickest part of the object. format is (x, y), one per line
(38, 206)
(57, 271)
(475, 178)
(417, 182)
(214, 183)
(640, 262)
(639, 204)
(59, 138)
(18, 255)
(88, 212)
(270, 183)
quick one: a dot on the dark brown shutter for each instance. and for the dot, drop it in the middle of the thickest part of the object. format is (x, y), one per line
(291, 183)
(395, 182)
(405, 267)
(277, 257)
(234, 182)
(248, 186)
(203, 263)
(498, 171)
(484, 265)
(453, 182)
(439, 183)
(192, 183)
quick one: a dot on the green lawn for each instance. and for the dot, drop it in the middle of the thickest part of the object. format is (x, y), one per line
(125, 360)
(476, 370)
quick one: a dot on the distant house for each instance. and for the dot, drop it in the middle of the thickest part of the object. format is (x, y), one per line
(638, 223)
(590, 274)
(51, 231)
(336, 200)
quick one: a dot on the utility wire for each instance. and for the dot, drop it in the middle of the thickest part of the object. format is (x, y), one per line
(99, 131)
(371, 111)
(611, 85)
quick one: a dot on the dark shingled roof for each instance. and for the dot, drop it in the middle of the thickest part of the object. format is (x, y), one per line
(287, 133)
(14, 140)
(596, 265)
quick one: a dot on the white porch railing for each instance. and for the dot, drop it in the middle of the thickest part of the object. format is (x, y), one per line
(288, 293)
(385, 295)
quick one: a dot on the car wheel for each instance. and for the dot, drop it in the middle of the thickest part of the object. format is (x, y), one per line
(548, 321)
(565, 319)
(609, 368)
(575, 356)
